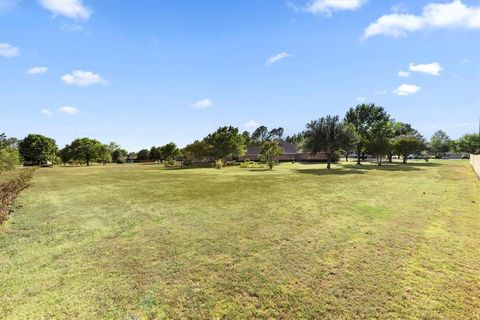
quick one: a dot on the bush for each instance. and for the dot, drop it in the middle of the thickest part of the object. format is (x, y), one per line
(170, 163)
(250, 164)
(10, 190)
(219, 164)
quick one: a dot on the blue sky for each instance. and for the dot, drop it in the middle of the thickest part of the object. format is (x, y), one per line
(147, 72)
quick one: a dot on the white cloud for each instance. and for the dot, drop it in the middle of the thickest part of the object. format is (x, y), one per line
(361, 99)
(434, 16)
(277, 58)
(251, 124)
(202, 104)
(431, 68)
(381, 92)
(67, 110)
(83, 78)
(74, 9)
(406, 89)
(466, 60)
(36, 70)
(326, 7)
(7, 50)
(46, 112)
(403, 74)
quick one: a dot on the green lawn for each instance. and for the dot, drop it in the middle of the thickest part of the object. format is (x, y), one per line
(141, 241)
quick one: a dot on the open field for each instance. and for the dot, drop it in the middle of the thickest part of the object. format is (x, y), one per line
(133, 241)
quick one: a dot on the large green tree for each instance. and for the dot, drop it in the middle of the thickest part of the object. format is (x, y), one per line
(440, 143)
(324, 135)
(143, 155)
(350, 138)
(224, 142)
(469, 143)
(37, 149)
(365, 117)
(85, 150)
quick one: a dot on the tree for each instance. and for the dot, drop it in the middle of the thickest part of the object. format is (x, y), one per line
(198, 150)
(275, 134)
(270, 151)
(170, 151)
(297, 139)
(259, 135)
(105, 153)
(143, 155)
(363, 117)
(155, 154)
(224, 142)
(65, 154)
(440, 143)
(469, 143)
(9, 156)
(379, 136)
(324, 135)
(405, 145)
(119, 155)
(85, 150)
(350, 139)
(37, 149)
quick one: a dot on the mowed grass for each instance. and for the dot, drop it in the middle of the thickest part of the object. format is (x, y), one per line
(144, 242)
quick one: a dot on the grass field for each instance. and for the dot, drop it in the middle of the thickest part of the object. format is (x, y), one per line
(140, 242)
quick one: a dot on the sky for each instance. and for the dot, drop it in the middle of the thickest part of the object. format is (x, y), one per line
(147, 72)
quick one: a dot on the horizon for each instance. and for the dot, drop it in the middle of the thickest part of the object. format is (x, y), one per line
(145, 75)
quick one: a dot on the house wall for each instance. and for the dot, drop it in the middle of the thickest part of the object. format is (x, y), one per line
(475, 162)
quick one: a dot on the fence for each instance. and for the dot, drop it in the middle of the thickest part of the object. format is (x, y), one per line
(475, 162)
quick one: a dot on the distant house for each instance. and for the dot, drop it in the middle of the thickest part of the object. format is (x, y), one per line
(131, 158)
(290, 152)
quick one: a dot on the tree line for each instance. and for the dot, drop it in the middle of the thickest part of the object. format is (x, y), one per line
(365, 129)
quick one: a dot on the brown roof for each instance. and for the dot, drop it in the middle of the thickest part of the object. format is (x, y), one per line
(287, 148)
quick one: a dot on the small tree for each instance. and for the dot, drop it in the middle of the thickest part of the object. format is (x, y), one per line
(440, 143)
(350, 139)
(270, 151)
(104, 153)
(65, 154)
(9, 156)
(405, 145)
(324, 135)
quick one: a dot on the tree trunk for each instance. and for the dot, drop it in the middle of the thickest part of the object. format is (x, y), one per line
(404, 159)
(88, 161)
(390, 156)
(379, 160)
(358, 156)
(329, 160)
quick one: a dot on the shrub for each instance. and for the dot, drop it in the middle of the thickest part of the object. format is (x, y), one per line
(170, 163)
(10, 190)
(250, 164)
(219, 164)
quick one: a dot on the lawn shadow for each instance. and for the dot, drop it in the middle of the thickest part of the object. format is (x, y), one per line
(363, 168)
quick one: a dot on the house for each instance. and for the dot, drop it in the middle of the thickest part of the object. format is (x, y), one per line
(131, 158)
(290, 152)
